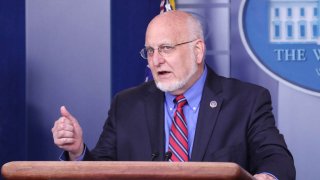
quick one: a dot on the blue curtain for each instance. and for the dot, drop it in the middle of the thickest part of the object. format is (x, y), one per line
(129, 20)
(12, 81)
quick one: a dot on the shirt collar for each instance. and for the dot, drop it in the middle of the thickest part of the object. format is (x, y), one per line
(193, 94)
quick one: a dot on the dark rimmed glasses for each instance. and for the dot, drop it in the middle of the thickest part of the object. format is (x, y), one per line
(164, 50)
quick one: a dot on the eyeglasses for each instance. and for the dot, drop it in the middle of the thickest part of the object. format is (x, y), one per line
(164, 50)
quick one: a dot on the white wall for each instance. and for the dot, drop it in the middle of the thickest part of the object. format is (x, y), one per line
(68, 63)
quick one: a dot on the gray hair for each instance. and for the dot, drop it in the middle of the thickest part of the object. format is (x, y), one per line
(196, 27)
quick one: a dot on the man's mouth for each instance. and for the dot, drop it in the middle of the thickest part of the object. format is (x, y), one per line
(164, 74)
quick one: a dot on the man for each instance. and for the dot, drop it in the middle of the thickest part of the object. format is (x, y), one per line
(187, 110)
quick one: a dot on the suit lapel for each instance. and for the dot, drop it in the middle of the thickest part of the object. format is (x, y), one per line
(154, 100)
(210, 105)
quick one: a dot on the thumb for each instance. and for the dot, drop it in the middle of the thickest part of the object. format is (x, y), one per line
(65, 113)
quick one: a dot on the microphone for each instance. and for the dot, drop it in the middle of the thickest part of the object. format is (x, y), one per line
(167, 156)
(154, 156)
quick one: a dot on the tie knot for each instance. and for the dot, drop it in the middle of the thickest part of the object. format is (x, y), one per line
(181, 101)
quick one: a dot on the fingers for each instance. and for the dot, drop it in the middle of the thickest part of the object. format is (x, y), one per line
(63, 124)
(63, 132)
(67, 133)
(64, 142)
(263, 177)
(65, 113)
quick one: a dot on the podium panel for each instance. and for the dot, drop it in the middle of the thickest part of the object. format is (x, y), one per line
(122, 170)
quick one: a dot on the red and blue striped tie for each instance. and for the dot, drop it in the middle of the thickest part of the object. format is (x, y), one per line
(178, 140)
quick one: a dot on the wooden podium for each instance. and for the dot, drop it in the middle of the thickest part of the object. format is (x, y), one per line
(122, 170)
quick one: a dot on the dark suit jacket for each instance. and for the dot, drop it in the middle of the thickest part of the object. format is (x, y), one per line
(240, 129)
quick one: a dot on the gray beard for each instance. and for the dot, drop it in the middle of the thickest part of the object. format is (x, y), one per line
(176, 85)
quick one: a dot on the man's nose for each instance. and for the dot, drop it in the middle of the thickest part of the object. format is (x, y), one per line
(157, 58)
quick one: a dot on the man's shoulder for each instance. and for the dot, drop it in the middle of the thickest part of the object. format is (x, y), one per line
(240, 94)
(235, 87)
(237, 84)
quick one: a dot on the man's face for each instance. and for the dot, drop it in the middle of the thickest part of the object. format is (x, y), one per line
(176, 71)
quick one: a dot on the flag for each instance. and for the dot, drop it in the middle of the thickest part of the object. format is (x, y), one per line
(165, 5)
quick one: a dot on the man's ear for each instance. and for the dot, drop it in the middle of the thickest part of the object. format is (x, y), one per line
(200, 50)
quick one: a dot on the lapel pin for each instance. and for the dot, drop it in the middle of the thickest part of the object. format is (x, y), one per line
(213, 104)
